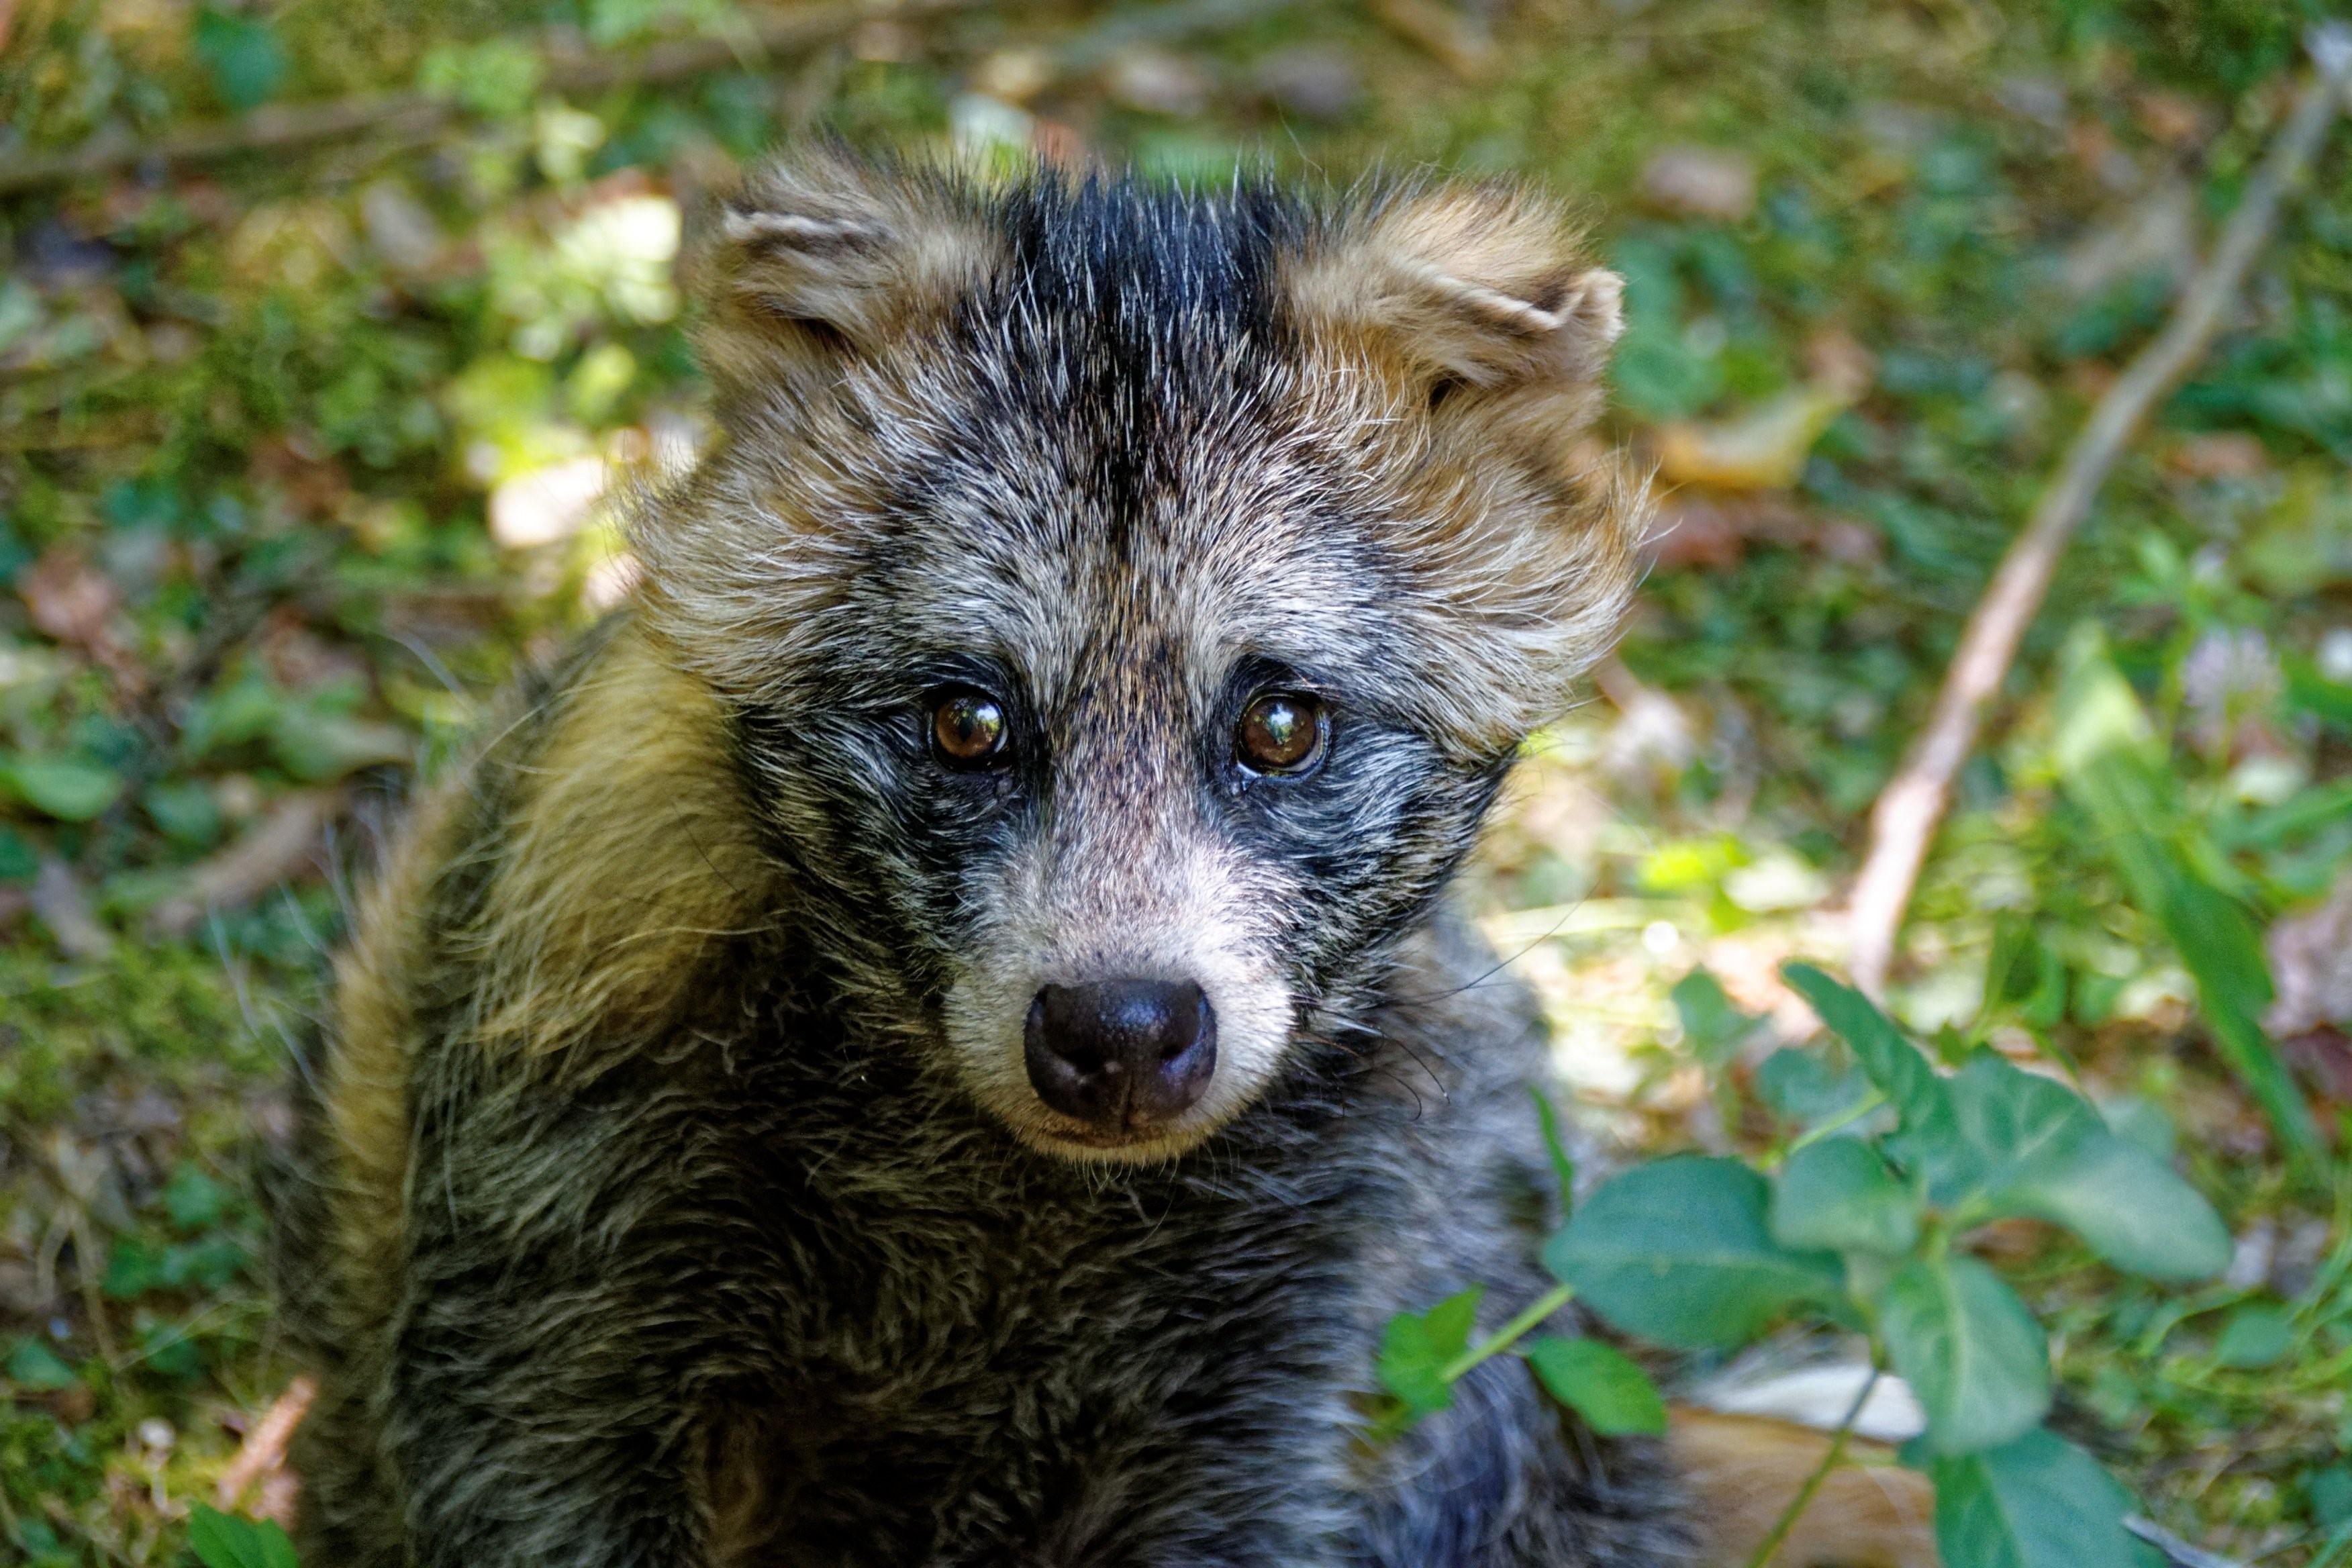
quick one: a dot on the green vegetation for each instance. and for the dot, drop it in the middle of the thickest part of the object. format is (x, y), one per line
(298, 458)
(1863, 1224)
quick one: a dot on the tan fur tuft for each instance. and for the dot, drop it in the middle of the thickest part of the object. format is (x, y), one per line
(364, 1098)
(630, 857)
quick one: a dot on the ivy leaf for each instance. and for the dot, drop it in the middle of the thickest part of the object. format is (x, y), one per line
(1801, 1088)
(193, 1200)
(1713, 1026)
(231, 1541)
(1417, 1347)
(1601, 1383)
(1679, 1251)
(2043, 1153)
(63, 787)
(1969, 1350)
(2036, 1502)
(2255, 1336)
(1838, 1193)
(315, 745)
(35, 1366)
(249, 64)
(1930, 1138)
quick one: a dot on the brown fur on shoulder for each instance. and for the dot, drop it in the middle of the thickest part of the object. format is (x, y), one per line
(628, 857)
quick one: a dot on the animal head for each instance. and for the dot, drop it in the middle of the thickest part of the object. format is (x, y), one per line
(1130, 599)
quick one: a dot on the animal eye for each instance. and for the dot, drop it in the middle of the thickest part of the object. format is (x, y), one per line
(967, 727)
(1279, 732)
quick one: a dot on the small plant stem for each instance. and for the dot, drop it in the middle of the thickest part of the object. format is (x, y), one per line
(1843, 1118)
(1831, 1459)
(1502, 1339)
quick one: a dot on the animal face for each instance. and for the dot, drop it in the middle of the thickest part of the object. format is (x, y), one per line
(1132, 599)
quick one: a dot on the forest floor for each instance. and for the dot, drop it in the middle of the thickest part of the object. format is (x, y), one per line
(298, 457)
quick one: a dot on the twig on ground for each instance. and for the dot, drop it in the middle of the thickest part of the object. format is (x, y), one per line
(263, 1452)
(285, 127)
(2177, 1550)
(274, 850)
(59, 899)
(1908, 810)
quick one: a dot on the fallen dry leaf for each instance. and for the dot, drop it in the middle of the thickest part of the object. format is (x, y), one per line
(277, 846)
(62, 905)
(1704, 181)
(262, 1455)
(1714, 531)
(1763, 450)
(70, 600)
(2219, 455)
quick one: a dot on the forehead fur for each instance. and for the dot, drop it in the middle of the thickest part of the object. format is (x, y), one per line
(965, 416)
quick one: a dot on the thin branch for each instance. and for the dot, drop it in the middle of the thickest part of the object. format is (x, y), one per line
(263, 1452)
(1913, 803)
(2180, 1553)
(285, 127)
(276, 850)
(1832, 1457)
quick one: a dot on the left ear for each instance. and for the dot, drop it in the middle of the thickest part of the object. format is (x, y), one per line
(1481, 285)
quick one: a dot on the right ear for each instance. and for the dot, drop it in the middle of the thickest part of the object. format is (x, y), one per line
(1485, 286)
(822, 258)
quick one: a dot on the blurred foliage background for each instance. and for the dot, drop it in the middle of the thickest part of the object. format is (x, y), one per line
(300, 447)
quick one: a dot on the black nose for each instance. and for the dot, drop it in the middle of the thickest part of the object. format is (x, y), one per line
(1121, 1053)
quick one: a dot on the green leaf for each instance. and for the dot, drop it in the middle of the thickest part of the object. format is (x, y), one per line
(1417, 1347)
(231, 1541)
(2043, 1153)
(1969, 1350)
(19, 860)
(235, 712)
(2309, 688)
(497, 78)
(2036, 1502)
(1839, 1194)
(1601, 1383)
(1800, 1088)
(2255, 1336)
(63, 787)
(195, 1200)
(315, 746)
(133, 1269)
(35, 1366)
(1563, 1163)
(186, 812)
(248, 63)
(2330, 1491)
(1679, 1251)
(1931, 1140)
(1715, 1029)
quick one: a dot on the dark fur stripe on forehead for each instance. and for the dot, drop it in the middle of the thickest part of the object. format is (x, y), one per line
(1170, 276)
(1126, 313)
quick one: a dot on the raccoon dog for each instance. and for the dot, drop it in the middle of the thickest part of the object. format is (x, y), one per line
(935, 1036)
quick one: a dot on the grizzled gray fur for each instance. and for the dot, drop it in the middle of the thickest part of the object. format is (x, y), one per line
(934, 1037)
